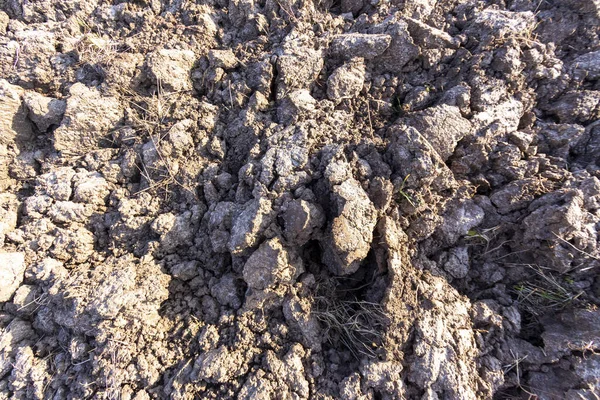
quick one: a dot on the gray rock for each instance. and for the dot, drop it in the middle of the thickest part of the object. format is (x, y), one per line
(89, 117)
(429, 37)
(271, 265)
(571, 330)
(350, 45)
(44, 111)
(460, 217)
(350, 234)
(587, 65)
(12, 268)
(170, 69)
(402, 48)
(301, 221)
(294, 106)
(185, 270)
(57, 184)
(226, 291)
(443, 126)
(222, 59)
(457, 262)
(13, 118)
(299, 65)
(577, 106)
(346, 81)
(9, 205)
(248, 226)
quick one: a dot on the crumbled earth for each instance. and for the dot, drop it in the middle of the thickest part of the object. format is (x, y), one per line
(299, 200)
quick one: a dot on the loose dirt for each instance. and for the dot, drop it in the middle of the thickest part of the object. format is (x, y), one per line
(279, 199)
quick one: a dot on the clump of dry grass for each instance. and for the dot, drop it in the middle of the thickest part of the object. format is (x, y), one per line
(150, 118)
(545, 292)
(357, 325)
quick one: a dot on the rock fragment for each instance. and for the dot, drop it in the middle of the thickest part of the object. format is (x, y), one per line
(577, 106)
(401, 50)
(346, 81)
(170, 69)
(294, 106)
(12, 268)
(351, 232)
(587, 65)
(429, 37)
(367, 46)
(44, 111)
(249, 225)
(271, 265)
(443, 126)
(301, 220)
(13, 119)
(222, 59)
(89, 117)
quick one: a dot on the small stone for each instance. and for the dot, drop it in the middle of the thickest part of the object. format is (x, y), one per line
(457, 262)
(170, 69)
(402, 48)
(12, 268)
(362, 45)
(89, 117)
(346, 81)
(44, 111)
(222, 59)
(301, 221)
(351, 232)
(271, 265)
(294, 106)
(13, 123)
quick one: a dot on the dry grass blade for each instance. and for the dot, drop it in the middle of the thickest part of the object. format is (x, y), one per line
(545, 292)
(358, 325)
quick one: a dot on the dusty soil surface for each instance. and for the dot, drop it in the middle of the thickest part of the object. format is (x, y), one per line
(279, 199)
